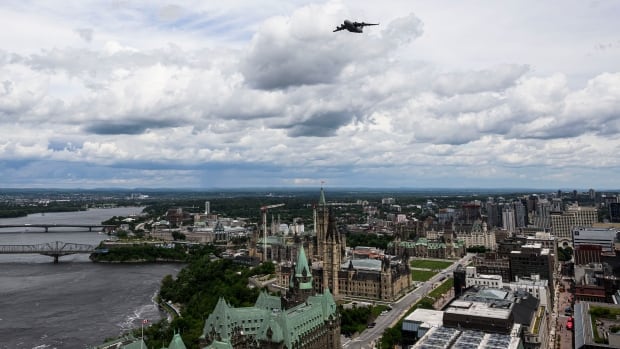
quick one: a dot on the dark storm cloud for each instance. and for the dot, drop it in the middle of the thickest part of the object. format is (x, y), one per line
(320, 125)
(130, 127)
(275, 67)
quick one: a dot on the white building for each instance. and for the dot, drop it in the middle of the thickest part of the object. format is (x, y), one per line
(599, 236)
(534, 285)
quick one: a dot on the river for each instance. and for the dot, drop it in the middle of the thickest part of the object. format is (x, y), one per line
(75, 303)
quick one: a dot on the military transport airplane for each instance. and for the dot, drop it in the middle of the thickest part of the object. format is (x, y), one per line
(354, 27)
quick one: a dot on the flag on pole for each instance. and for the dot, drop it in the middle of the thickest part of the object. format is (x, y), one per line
(145, 321)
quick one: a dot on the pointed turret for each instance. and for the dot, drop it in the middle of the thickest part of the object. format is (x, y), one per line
(303, 274)
(177, 342)
(322, 198)
(302, 261)
(219, 320)
(301, 283)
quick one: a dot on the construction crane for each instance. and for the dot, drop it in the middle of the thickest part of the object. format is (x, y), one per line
(264, 211)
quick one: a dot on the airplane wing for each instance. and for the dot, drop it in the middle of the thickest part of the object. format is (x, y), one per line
(363, 24)
(338, 28)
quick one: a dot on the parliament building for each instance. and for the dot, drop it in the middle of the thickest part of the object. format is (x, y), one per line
(385, 279)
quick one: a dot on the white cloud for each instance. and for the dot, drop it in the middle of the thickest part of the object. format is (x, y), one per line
(238, 89)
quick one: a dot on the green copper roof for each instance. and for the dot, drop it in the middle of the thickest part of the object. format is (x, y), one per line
(177, 342)
(138, 344)
(302, 263)
(363, 264)
(276, 325)
(267, 302)
(322, 198)
(219, 345)
(302, 270)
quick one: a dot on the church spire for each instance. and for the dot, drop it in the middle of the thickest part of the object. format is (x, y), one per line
(322, 198)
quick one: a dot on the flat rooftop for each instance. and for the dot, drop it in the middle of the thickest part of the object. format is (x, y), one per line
(426, 316)
(452, 338)
(483, 302)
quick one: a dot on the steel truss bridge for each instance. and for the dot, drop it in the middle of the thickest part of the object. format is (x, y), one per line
(53, 249)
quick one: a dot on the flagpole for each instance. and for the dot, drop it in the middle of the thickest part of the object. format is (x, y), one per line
(144, 321)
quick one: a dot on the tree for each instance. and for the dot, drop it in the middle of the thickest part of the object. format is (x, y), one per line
(565, 254)
(176, 235)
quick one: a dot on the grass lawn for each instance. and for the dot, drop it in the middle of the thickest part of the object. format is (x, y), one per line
(430, 264)
(422, 275)
(443, 288)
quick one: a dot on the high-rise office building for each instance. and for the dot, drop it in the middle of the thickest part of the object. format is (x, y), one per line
(532, 259)
(508, 218)
(562, 224)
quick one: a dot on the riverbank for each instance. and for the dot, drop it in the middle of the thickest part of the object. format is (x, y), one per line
(139, 252)
(141, 261)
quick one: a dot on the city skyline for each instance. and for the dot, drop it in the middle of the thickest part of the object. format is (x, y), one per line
(516, 94)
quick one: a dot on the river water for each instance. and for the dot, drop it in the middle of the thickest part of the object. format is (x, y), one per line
(75, 303)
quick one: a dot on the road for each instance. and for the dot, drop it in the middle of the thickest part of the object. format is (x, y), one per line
(370, 336)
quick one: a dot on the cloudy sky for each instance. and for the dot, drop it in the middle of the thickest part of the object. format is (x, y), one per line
(244, 93)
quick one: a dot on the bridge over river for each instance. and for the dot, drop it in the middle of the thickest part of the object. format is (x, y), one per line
(53, 249)
(46, 227)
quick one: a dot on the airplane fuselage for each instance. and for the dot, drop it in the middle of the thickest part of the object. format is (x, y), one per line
(353, 27)
(350, 26)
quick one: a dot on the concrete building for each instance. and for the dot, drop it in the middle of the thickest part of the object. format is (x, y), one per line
(605, 237)
(562, 224)
(515, 243)
(500, 311)
(533, 259)
(534, 285)
(418, 323)
(614, 212)
(493, 214)
(509, 221)
(443, 337)
(600, 333)
(596, 283)
(520, 214)
(491, 263)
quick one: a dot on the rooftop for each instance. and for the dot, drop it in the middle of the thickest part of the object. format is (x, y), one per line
(428, 317)
(365, 264)
(452, 338)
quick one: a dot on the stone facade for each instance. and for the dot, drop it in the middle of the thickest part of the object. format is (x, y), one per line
(385, 279)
